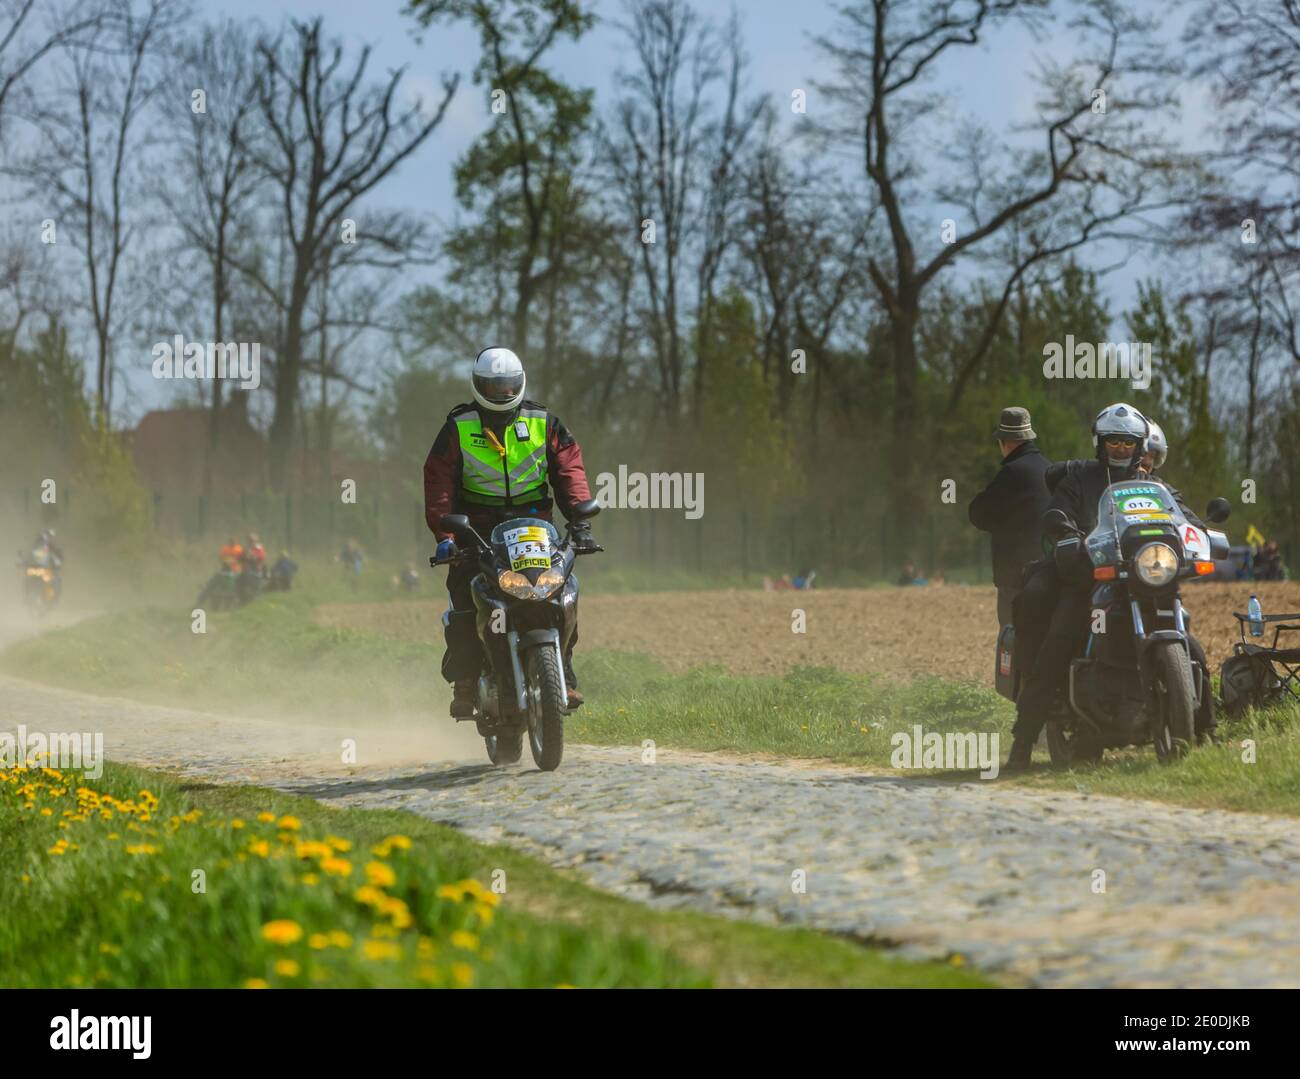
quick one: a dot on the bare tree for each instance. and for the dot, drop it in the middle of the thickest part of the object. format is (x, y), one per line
(213, 206)
(88, 161)
(329, 139)
(28, 34)
(1096, 167)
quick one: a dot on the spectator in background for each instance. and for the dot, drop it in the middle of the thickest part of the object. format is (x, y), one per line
(410, 579)
(908, 575)
(1011, 507)
(282, 573)
(254, 555)
(804, 578)
(1268, 563)
(232, 555)
(352, 557)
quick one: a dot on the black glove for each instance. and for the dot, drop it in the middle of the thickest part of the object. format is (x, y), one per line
(583, 540)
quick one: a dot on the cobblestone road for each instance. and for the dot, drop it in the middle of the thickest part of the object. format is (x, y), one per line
(1004, 877)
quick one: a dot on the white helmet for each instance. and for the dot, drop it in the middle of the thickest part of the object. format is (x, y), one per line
(1157, 445)
(1125, 421)
(498, 379)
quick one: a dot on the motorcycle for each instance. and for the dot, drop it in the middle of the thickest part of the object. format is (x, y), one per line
(40, 579)
(1138, 678)
(526, 611)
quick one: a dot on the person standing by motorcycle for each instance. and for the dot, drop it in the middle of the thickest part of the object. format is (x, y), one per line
(1012, 505)
(497, 457)
(1119, 436)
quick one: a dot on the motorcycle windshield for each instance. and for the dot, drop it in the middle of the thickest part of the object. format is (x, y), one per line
(525, 544)
(1141, 503)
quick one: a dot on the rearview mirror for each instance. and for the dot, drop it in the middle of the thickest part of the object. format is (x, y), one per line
(455, 523)
(583, 510)
(1057, 525)
(1218, 511)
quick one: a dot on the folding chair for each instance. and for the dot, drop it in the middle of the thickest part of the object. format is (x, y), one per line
(1287, 659)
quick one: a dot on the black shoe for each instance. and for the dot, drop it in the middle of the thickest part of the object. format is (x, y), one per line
(1021, 755)
(462, 700)
(1211, 736)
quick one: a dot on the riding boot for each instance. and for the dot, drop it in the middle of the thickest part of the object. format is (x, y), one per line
(1021, 755)
(462, 699)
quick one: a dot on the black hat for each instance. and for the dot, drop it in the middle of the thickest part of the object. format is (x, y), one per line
(1014, 426)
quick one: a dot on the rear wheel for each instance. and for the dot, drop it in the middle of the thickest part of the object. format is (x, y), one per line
(545, 708)
(505, 748)
(1175, 698)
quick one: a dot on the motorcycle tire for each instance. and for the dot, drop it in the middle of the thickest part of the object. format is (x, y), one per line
(546, 708)
(1068, 748)
(505, 748)
(1173, 733)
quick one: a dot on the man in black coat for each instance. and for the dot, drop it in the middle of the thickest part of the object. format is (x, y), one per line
(1011, 507)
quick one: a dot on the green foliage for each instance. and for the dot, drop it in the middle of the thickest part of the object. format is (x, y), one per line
(338, 901)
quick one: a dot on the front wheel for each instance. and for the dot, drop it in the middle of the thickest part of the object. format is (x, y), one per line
(505, 748)
(545, 708)
(1175, 697)
(1071, 747)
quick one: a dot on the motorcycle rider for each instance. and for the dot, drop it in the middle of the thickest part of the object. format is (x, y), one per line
(1119, 437)
(1037, 600)
(48, 555)
(498, 457)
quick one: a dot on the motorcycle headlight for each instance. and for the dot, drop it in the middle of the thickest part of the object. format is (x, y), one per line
(1156, 564)
(514, 584)
(549, 581)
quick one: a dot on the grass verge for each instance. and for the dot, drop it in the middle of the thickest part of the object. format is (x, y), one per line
(137, 879)
(271, 659)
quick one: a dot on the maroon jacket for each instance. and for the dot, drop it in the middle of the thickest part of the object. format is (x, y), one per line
(565, 475)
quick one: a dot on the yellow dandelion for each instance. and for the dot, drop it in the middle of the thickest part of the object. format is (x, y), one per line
(464, 940)
(340, 939)
(255, 983)
(266, 818)
(381, 949)
(317, 941)
(336, 867)
(462, 974)
(380, 875)
(287, 968)
(288, 824)
(282, 931)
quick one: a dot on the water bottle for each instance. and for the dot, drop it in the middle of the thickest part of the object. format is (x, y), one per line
(1256, 614)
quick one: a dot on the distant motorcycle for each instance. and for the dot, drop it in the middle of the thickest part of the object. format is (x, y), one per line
(41, 584)
(1136, 680)
(526, 611)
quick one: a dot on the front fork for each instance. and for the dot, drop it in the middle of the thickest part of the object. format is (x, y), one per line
(1147, 644)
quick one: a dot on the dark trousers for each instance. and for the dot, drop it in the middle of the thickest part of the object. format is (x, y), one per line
(1032, 611)
(463, 660)
(1065, 635)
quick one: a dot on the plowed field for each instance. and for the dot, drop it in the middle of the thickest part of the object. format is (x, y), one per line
(896, 632)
